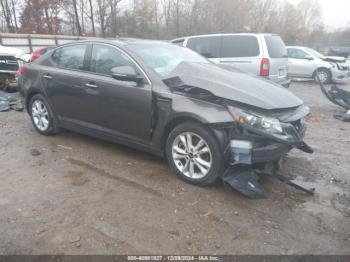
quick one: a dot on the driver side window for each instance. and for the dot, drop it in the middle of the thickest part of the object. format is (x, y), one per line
(297, 54)
(105, 58)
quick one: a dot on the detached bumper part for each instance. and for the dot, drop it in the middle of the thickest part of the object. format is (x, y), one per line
(343, 117)
(244, 180)
(10, 101)
(338, 97)
(242, 177)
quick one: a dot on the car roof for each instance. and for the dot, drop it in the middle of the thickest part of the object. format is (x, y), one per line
(212, 35)
(119, 41)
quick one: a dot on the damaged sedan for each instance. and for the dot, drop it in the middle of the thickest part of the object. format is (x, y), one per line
(209, 121)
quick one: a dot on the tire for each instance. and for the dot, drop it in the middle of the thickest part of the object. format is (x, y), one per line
(206, 166)
(325, 76)
(42, 116)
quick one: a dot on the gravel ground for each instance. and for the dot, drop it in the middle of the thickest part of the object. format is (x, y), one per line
(71, 194)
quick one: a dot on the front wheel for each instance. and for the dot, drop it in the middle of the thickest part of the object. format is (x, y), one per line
(323, 75)
(194, 154)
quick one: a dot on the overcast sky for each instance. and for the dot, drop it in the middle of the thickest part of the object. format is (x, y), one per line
(336, 13)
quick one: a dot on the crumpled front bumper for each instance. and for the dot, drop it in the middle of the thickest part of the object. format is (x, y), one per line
(340, 76)
(264, 156)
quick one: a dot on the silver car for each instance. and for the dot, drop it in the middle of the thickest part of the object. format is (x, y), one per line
(262, 55)
(305, 62)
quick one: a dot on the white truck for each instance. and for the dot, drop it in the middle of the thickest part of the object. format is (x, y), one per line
(10, 61)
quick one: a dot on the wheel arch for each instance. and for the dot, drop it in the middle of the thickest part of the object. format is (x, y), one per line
(219, 133)
(323, 68)
(32, 92)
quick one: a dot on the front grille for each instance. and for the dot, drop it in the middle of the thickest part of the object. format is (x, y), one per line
(8, 63)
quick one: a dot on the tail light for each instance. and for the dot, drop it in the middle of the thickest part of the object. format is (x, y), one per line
(22, 70)
(35, 56)
(265, 67)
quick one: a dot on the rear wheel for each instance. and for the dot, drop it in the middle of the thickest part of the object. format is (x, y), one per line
(42, 116)
(323, 75)
(194, 154)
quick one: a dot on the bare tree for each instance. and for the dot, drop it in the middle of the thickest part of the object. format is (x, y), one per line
(92, 18)
(261, 12)
(14, 14)
(103, 16)
(311, 12)
(113, 5)
(76, 13)
(7, 14)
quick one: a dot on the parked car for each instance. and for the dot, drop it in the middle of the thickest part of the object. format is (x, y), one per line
(338, 51)
(305, 62)
(9, 67)
(39, 52)
(263, 55)
(166, 100)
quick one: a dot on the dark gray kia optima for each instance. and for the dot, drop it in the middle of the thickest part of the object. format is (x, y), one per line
(209, 121)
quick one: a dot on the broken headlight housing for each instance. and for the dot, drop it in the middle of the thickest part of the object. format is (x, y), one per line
(264, 125)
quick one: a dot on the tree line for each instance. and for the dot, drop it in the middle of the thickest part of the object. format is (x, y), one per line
(167, 19)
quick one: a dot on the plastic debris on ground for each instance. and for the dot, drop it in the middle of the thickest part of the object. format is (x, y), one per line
(10, 101)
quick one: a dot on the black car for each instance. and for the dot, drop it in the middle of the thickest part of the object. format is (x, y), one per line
(208, 121)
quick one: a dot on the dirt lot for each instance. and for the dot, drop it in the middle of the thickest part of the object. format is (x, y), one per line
(71, 194)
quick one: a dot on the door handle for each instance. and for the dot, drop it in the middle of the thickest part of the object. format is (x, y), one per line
(47, 76)
(91, 85)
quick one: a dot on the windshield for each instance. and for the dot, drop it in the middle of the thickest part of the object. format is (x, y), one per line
(314, 53)
(164, 58)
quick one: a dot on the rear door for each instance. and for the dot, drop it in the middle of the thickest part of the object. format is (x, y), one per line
(277, 53)
(61, 77)
(242, 52)
(207, 46)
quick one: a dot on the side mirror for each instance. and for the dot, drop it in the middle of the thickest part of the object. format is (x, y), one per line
(309, 58)
(127, 74)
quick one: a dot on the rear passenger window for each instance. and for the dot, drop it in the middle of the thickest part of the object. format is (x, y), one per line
(70, 57)
(206, 46)
(240, 46)
(275, 46)
(296, 54)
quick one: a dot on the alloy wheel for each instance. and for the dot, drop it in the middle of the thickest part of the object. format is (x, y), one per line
(192, 155)
(40, 115)
(322, 76)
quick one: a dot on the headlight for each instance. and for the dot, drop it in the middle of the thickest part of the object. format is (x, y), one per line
(267, 126)
(270, 125)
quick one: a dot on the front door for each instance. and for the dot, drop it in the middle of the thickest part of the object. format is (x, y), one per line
(300, 63)
(118, 107)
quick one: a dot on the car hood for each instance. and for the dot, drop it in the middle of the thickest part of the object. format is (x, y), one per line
(335, 59)
(228, 83)
(4, 50)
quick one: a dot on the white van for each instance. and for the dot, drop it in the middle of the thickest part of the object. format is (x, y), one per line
(263, 55)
